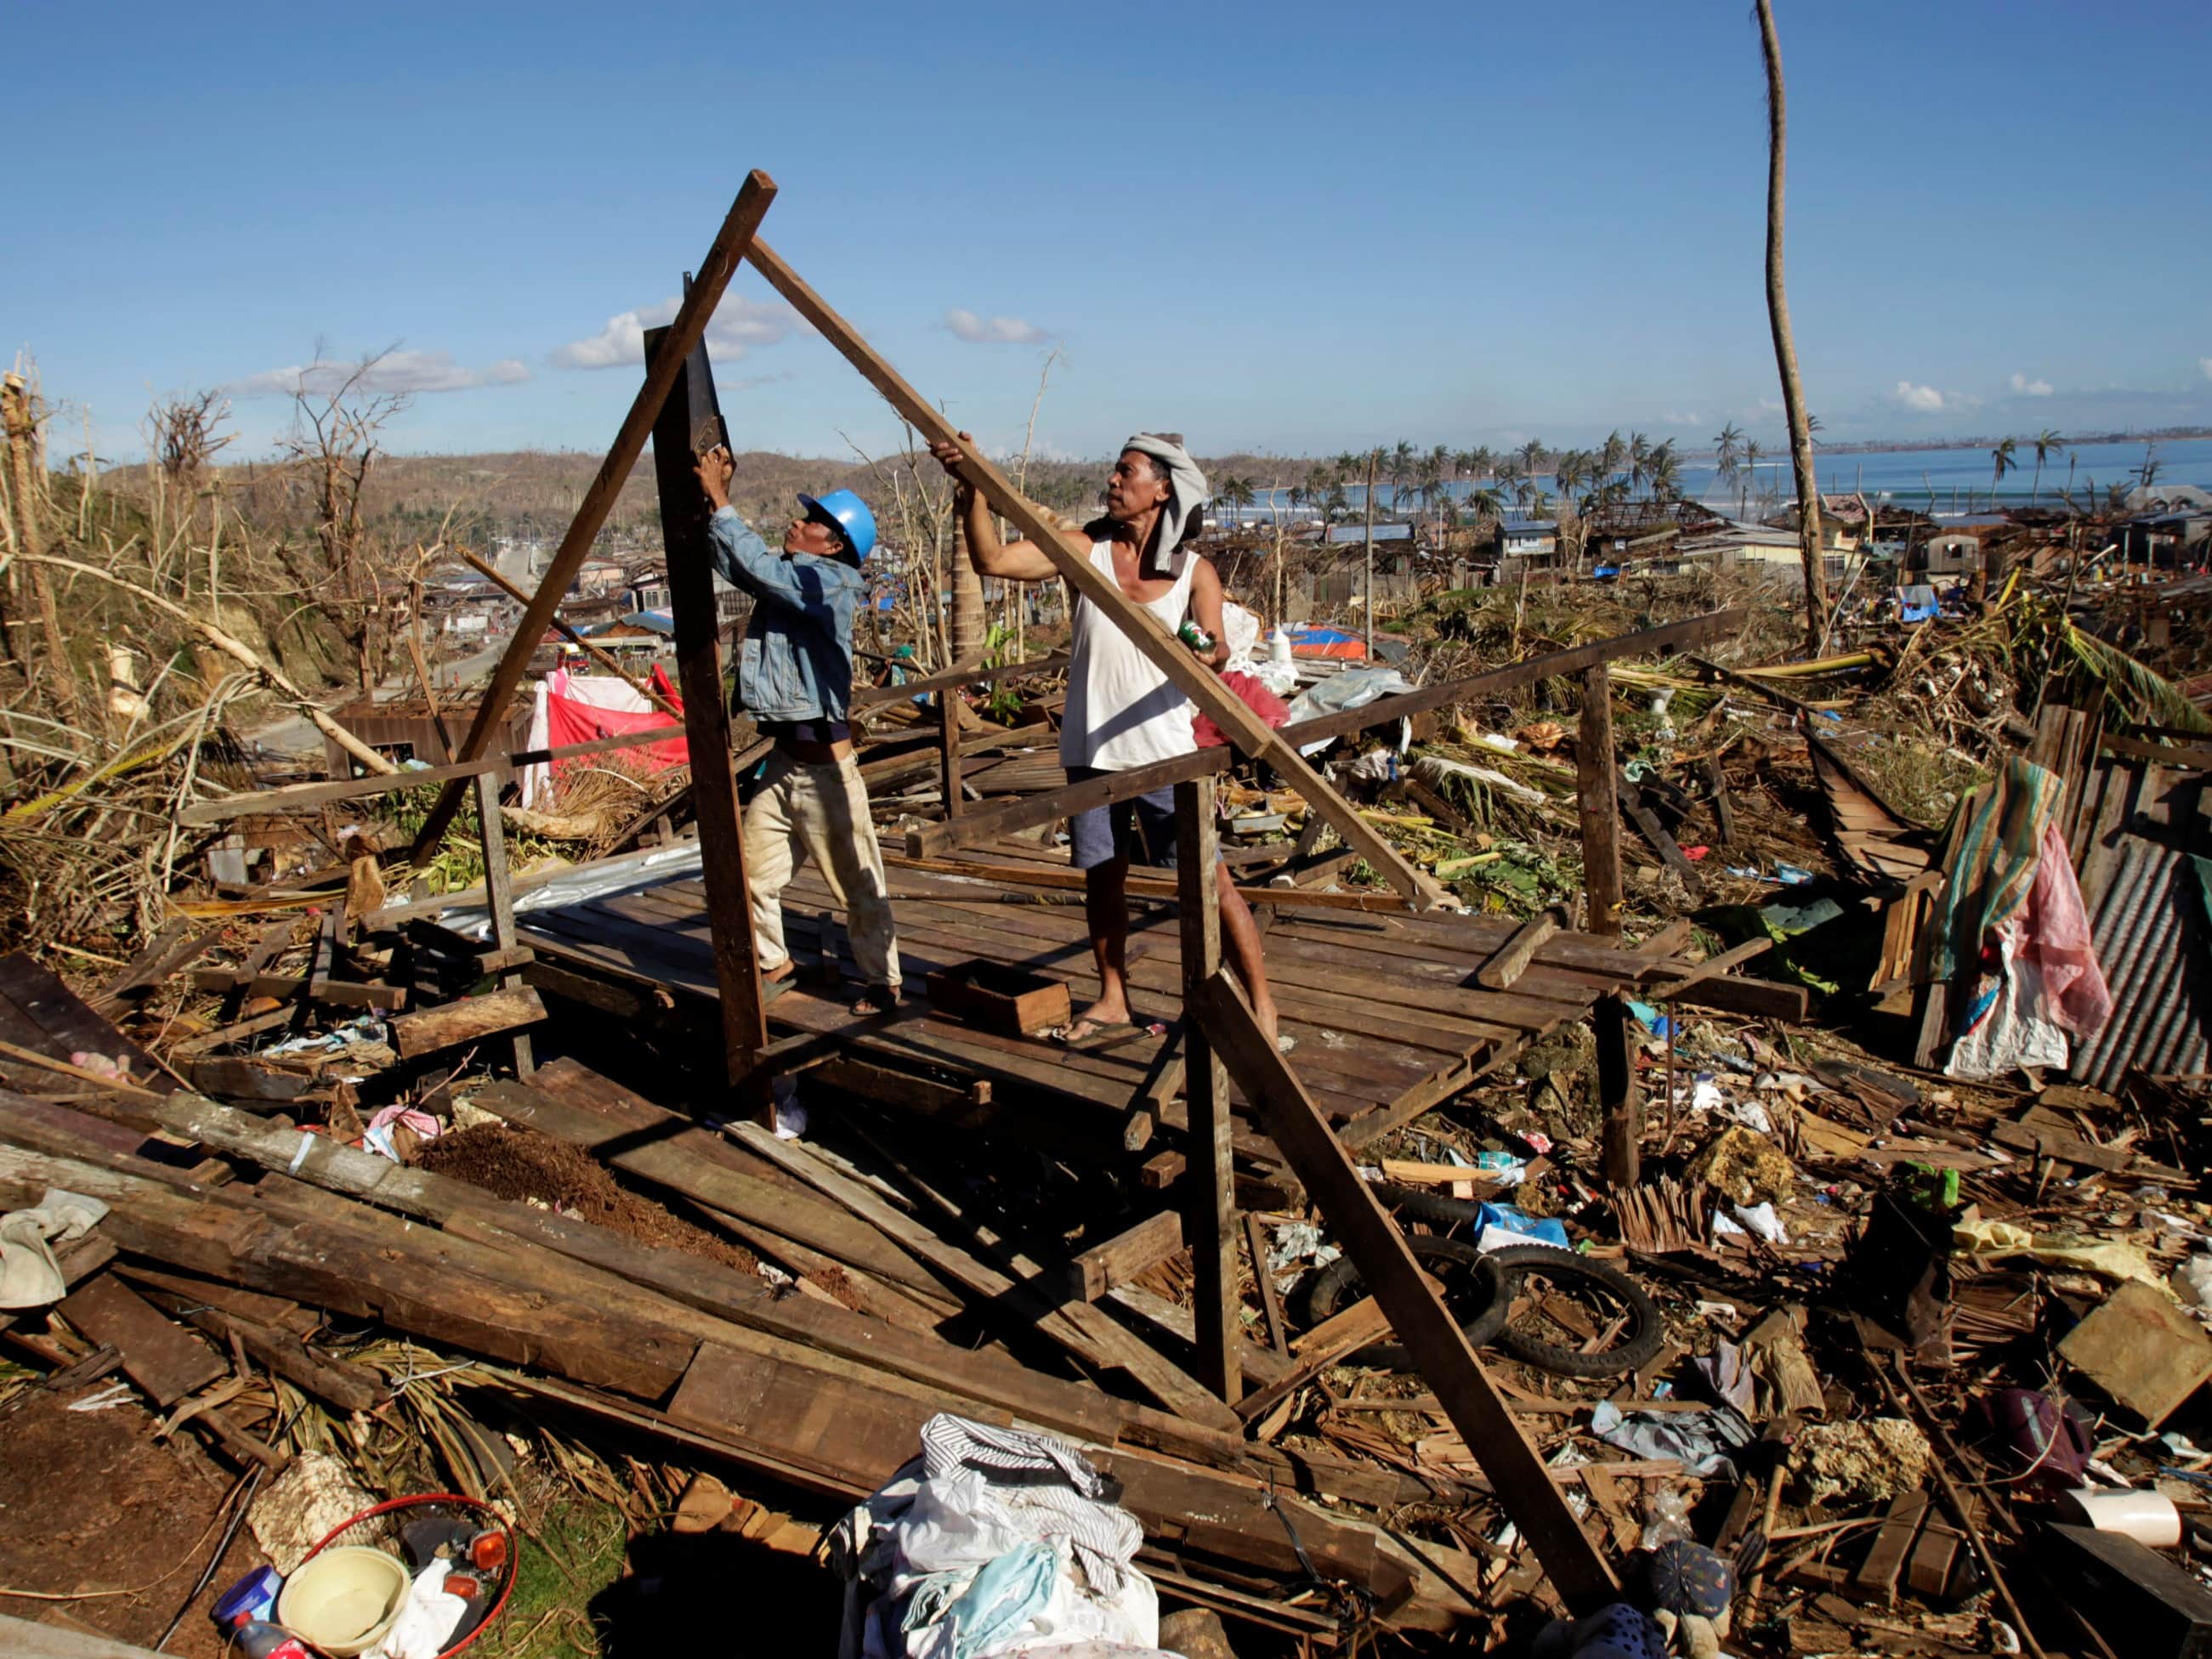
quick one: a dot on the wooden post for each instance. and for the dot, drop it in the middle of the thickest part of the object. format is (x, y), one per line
(22, 433)
(1438, 1346)
(1599, 799)
(948, 738)
(1367, 591)
(1620, 1101)
(689, 418)
(730, 245)
(499, 901)
(1209, 1187)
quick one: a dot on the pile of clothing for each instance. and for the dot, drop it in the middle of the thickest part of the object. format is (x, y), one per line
(993, 1541)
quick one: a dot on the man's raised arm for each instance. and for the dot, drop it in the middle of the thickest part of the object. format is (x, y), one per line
(1016, 561)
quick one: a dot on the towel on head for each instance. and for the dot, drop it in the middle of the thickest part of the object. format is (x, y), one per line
(1164, 557)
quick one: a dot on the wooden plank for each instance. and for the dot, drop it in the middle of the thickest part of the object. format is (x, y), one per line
(469, 1020)
(1711, 968)
(62, 1023)
(608, 659)
(499, 904)
(1438, 1346)
(1271, 1303)
(1209, 1195)
(689, 421)
(669, 1152)
(1511, 959)
(683, 334)
(1621, 1102)
(1238, 723)
(1084, 1331)
(1596, 804)
(1885, 1559)
(166, 1361)
(1647, 825)
(1329, 1343)
(1130, 1252)
(175, 945)
(868, 696)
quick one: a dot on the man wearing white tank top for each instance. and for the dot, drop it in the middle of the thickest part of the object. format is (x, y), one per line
(1122, 712)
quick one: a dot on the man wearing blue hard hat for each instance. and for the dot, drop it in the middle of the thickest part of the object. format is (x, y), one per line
(795, 680)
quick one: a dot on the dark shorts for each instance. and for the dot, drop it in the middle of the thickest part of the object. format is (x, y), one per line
(1141, 829)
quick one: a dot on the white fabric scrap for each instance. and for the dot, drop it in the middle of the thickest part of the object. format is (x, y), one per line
(30, 1277)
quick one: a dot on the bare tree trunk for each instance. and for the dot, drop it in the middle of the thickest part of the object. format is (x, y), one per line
(22, 430)
(967, 601)
(1370, 591)
(1785, 345)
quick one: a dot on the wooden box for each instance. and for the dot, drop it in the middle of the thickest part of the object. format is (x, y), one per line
(995, 998)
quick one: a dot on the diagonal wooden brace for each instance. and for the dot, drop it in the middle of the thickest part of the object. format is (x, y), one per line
(1439, 1348)
(1243, 728)
(688, 328)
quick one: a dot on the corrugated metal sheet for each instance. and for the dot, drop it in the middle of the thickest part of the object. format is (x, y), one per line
(2151, 937)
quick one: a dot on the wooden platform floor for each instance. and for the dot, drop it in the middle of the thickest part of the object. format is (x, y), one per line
(1382, 1009)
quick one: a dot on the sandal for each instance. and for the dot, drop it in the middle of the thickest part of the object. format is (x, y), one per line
(1088, 1033)
(875, 1002)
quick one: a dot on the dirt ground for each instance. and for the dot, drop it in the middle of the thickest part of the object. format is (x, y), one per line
(523, 1165)
(91, 1503)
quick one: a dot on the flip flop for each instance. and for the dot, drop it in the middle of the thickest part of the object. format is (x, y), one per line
(1101, 1033)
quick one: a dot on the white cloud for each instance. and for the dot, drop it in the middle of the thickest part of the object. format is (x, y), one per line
(738, 324)
(2027, 388)
(2205, 363)
(992, 330)
(1926, 398)
(393, 372)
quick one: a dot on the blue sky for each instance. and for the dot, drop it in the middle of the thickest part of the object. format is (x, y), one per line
(1287, 228)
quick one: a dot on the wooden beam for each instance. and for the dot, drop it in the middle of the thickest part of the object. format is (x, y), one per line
(309, 797)
(1620, 1103)
(691, 421)
(1120, 1259)
(975, 828)
(948, 750)
(867, 696)
(689, 327)
(499, 901)
(1209, 1192)
(1270, 1305)
(1510, 960)
(1654, 835)
(1439, 1348)
(1242, 726)
(1596, 799)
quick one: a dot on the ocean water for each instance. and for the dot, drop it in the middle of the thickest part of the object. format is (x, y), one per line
(1903, 478)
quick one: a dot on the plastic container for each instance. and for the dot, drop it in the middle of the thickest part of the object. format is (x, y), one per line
(2148, 1517)
(341, 1601)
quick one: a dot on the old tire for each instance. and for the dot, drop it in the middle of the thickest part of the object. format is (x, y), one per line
(1479, 1304)
(1638, 1343)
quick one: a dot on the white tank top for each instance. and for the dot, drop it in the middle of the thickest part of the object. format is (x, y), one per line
(1122, 712)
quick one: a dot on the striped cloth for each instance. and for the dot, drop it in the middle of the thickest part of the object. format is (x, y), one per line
(1994, 846)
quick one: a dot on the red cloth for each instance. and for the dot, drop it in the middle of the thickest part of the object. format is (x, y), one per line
(2073, 988)
(1255, 696)
(567, 720)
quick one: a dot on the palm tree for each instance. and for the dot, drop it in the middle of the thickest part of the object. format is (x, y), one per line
(1531, 456)
(1237, 492)
(1399, 468)
(2047, 444)
(2146, 474)
(1486, 503)
(1614, 455)
(1664, 473)
(1753, 452)
(1727, 453)
(1639, 457)
(1801, 423)
(2001, 459)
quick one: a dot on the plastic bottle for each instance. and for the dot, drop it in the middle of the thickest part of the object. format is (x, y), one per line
(258, 1639)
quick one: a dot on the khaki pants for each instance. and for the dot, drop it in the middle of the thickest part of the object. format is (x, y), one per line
(821, 811)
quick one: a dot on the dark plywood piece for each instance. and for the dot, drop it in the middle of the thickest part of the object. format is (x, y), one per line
(165, 1361)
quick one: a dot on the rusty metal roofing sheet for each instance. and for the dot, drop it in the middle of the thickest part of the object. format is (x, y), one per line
(2156, 950)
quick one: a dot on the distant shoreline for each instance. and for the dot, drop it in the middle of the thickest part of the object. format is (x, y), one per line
(1898, 446)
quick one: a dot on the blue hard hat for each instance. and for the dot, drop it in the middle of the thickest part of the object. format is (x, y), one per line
(849, 514)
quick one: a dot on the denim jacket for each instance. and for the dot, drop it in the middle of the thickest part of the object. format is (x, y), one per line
(796, 661)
